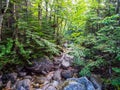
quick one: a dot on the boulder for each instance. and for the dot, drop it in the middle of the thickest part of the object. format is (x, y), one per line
(23, 84)
(78, 84)
(42, 65)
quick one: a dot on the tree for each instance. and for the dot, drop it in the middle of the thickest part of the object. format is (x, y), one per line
(4, 6)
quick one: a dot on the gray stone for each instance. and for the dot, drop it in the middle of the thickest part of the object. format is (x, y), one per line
(79, 84)
(23, 84)
(57, 75)
(51, 88)
(75, 87)
(55, 83)
(42, 65)
(28, 77)
(38, 89)
(67, 74)
(22, 74)
(11, 77)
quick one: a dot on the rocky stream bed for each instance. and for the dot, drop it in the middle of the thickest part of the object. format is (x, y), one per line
(45, 74)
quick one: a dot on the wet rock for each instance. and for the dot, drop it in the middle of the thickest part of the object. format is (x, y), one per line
(57, 75)
(23, 85)
(67, 74)
(79, 84)
(42, 65)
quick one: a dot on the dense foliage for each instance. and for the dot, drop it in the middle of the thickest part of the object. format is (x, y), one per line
(35, 28)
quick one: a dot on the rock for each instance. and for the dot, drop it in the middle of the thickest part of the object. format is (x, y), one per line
(55, 84)
(13, 77)
(21, 88)
(38, 89)
(45, 87)
(67, 74)
(78, 84)
(51, 88)
(1, 81)
(75, 87)
(48, 87)
(22, 74)
(36, 85)
(8, 86)
(65, 63)
(65, 60)
(42, 65)
(19, 68)
(9, 77)
(40, 80)
(57, 75)
(50, 75)
(28, 77)
(97, 82)
(23, 85)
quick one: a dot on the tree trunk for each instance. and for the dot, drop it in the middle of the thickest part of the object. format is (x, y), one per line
(46, 2)
(40, 13)
(1, 20)
(2, 12)
(117, 7)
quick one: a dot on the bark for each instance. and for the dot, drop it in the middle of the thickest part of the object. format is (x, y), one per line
(118, 6)
(118, 10)
(15, 33)
(1, 20)
(46, 5)
(40, 13)
(4, 9)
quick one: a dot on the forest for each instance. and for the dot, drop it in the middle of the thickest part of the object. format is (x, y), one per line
(59, 44)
